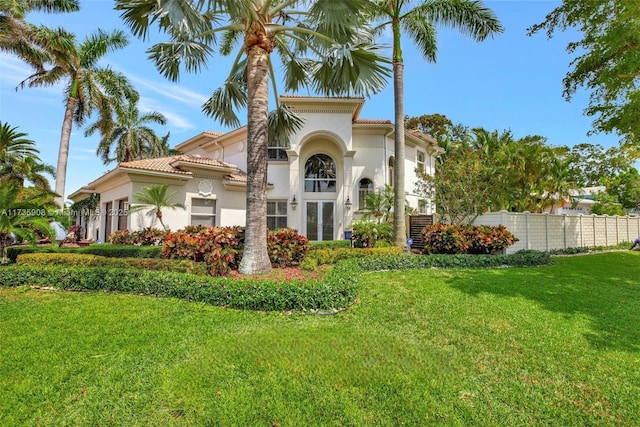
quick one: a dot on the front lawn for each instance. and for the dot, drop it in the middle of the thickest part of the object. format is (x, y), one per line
(556, 345)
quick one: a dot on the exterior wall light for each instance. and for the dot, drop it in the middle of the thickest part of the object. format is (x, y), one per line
(347, 204)
(294, 203)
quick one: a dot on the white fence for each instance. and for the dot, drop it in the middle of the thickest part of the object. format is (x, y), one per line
(546, 231)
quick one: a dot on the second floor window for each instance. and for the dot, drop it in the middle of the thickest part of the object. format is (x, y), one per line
(365, 188)
(320, 174)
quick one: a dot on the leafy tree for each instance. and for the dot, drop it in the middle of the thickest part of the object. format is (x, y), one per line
(625, 187)
(323, 46)
(418, 21)
(131, 138)
(607, 205)
(21, 217)
(460, 187)
(155, 198)
(88, 87)
(558, 184)
(607, 61)
(592, 164)
(434, 125)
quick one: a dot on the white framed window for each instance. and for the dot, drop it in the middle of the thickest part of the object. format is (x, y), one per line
(365, 187)
(277, 151)
(392, 165)
(276, 214)
(320, 174)
(422, 206)
(203, 212)
(420, 160)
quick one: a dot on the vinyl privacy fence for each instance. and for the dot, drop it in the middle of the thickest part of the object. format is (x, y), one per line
(544, 232)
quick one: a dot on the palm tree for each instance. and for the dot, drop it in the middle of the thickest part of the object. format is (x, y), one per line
(19, 159)
(418, 21)
(21, 218)
(131, 138)
(15, 32)
(322, 45)
(157, 198)
(559, 184)
(88, 87)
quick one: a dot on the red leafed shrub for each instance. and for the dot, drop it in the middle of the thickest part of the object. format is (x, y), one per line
(120, 237)
(286, 247)
(460, 239)
(220, 248)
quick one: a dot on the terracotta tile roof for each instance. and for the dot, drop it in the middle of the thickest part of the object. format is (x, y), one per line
(171, 164)
(202, 160)
(372, 121)
(239, 176)
(160, 164)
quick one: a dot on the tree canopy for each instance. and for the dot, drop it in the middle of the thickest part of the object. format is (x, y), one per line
(607, 61)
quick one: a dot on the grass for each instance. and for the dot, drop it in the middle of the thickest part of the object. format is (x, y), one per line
(555, 345)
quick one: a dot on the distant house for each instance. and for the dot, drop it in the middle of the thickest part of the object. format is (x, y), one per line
(581, 201)
(317, 184)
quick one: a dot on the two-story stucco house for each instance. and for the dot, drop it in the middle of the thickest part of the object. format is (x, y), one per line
(317, 184)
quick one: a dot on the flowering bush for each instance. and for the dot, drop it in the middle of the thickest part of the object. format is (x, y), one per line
(460, 239)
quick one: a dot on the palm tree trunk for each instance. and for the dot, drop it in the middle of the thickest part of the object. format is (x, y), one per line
(63, 151)
(255, 258)
(399, 228)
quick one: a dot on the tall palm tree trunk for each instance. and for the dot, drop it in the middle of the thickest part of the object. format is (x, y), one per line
(63, 151)
(399, 227)
(255, 259)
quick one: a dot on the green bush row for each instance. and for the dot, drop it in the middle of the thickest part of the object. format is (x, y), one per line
(337, 290)
(103, 249)
(406, 262)
(330, 244)
(587, 249)
(317, 257)
(89, 260)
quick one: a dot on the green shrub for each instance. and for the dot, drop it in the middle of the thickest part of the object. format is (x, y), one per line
(88, 260)
(332, 256)
(406, 262)
(104, 249)
(330, 244)
(366, 233)
(466, 239)
(337, 290)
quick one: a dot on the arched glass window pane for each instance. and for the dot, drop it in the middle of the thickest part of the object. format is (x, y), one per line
(365, 187)
(320, 174)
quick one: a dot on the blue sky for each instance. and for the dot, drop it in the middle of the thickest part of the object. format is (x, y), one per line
(510, 82)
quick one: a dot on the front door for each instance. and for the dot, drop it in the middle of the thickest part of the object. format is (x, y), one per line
(320, 220)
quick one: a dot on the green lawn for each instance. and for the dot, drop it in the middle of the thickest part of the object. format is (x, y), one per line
(553, 345)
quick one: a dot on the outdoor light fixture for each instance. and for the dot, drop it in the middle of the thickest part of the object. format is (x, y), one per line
(294, 203)
(347, 204)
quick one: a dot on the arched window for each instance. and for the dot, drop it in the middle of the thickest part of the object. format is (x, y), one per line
(365, 188)
(320, 174)
(392, 164)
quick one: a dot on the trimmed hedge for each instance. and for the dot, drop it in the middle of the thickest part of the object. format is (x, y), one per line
(88, 260)
(330, 244)
(337, 290)
(102, 249)
(317, 257)
(526, 258)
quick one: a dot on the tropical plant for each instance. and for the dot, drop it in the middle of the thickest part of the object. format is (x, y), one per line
(19, 159)
(323, 46)
(131, 138)
(21, 217)
(380, 205)
(155, 198)
(418, 20)
(88, 87)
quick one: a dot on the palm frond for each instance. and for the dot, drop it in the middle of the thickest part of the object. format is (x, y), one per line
(282, 122)
(169, 56)
(424, 35)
